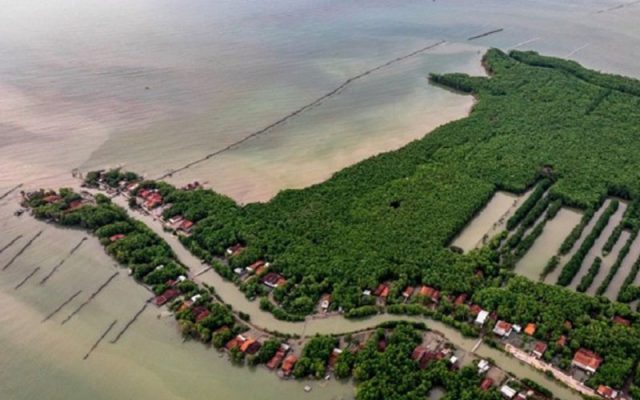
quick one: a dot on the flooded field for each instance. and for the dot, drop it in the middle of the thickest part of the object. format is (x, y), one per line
(548, 244)
(552, 278)
(596, 251)
(625, 268)
(489, 221)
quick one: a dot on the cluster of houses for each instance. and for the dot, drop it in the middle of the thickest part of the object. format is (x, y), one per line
(259, 268)
(584, 360)
(51, 197)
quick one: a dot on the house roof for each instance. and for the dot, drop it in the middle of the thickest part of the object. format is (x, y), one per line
(587, 359)
(486, 384)
(502, 328)
(540, 348)
(530, 329)
(408, 291)
(117, 236)
(621, 321)
(607, 392)
(460, 299)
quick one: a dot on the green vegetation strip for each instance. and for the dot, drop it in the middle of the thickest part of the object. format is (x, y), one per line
(576, 232)
(573, 266)
(630, 292)
(587, 280)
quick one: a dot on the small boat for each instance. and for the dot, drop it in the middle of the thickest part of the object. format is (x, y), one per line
(307, 388)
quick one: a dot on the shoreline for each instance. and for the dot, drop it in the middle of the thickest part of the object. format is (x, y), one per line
(365, 324)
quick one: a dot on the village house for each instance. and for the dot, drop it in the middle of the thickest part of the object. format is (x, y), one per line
(273, 280)
(175, 220)
(562, 341)
(382, 291)
(252, 269)
(621, 321)
(481, 319)
(430, 293)
(586, 360)
(508, 392)
(52, 198)
(250, 346)
(276, 360)
(503, 329)
(235, 249)
(460, 300)
(538, 349)
(325, 302)
(333, 357)
(165, 297)
(530, 329)
(607, 392)
(486, 384)
(186, 226)
(288, 364)
(483, 367)
(408, 292)
(236, 342)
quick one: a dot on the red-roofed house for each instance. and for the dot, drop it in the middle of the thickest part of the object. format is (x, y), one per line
(382, 290)
(538, 349)
(562, 341)
(607, 392)
(503, 329)
(418, 353)
(430, 293)
(586, 360)
(235, 249)
(186, 226)
(460, 299)
(288, 364)
(408, 292)
(486, 384)
(168, 295)
(253, 267)
(276, 359)
(621, 321)
(273, 280)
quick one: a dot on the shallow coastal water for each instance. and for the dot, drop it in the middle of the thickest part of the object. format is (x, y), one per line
(155, 84)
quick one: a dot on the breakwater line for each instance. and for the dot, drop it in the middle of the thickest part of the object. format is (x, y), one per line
(584, 46)
(485, 34)
(22, 250)
(19, 285)
(61, 306)
(55, 268)
(302, 109)
(97, 343)
(93, 296)
(6, 246)
(131, 321)
(13, 189)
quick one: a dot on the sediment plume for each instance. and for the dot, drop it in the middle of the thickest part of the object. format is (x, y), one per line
(69, 300)
(13, 189)
(22, 250)
(54, 269)
(19, 285)
(95, 345)
(6, 246)
(485, 34)
(302, 109)
(93, 296)
(128, 324)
